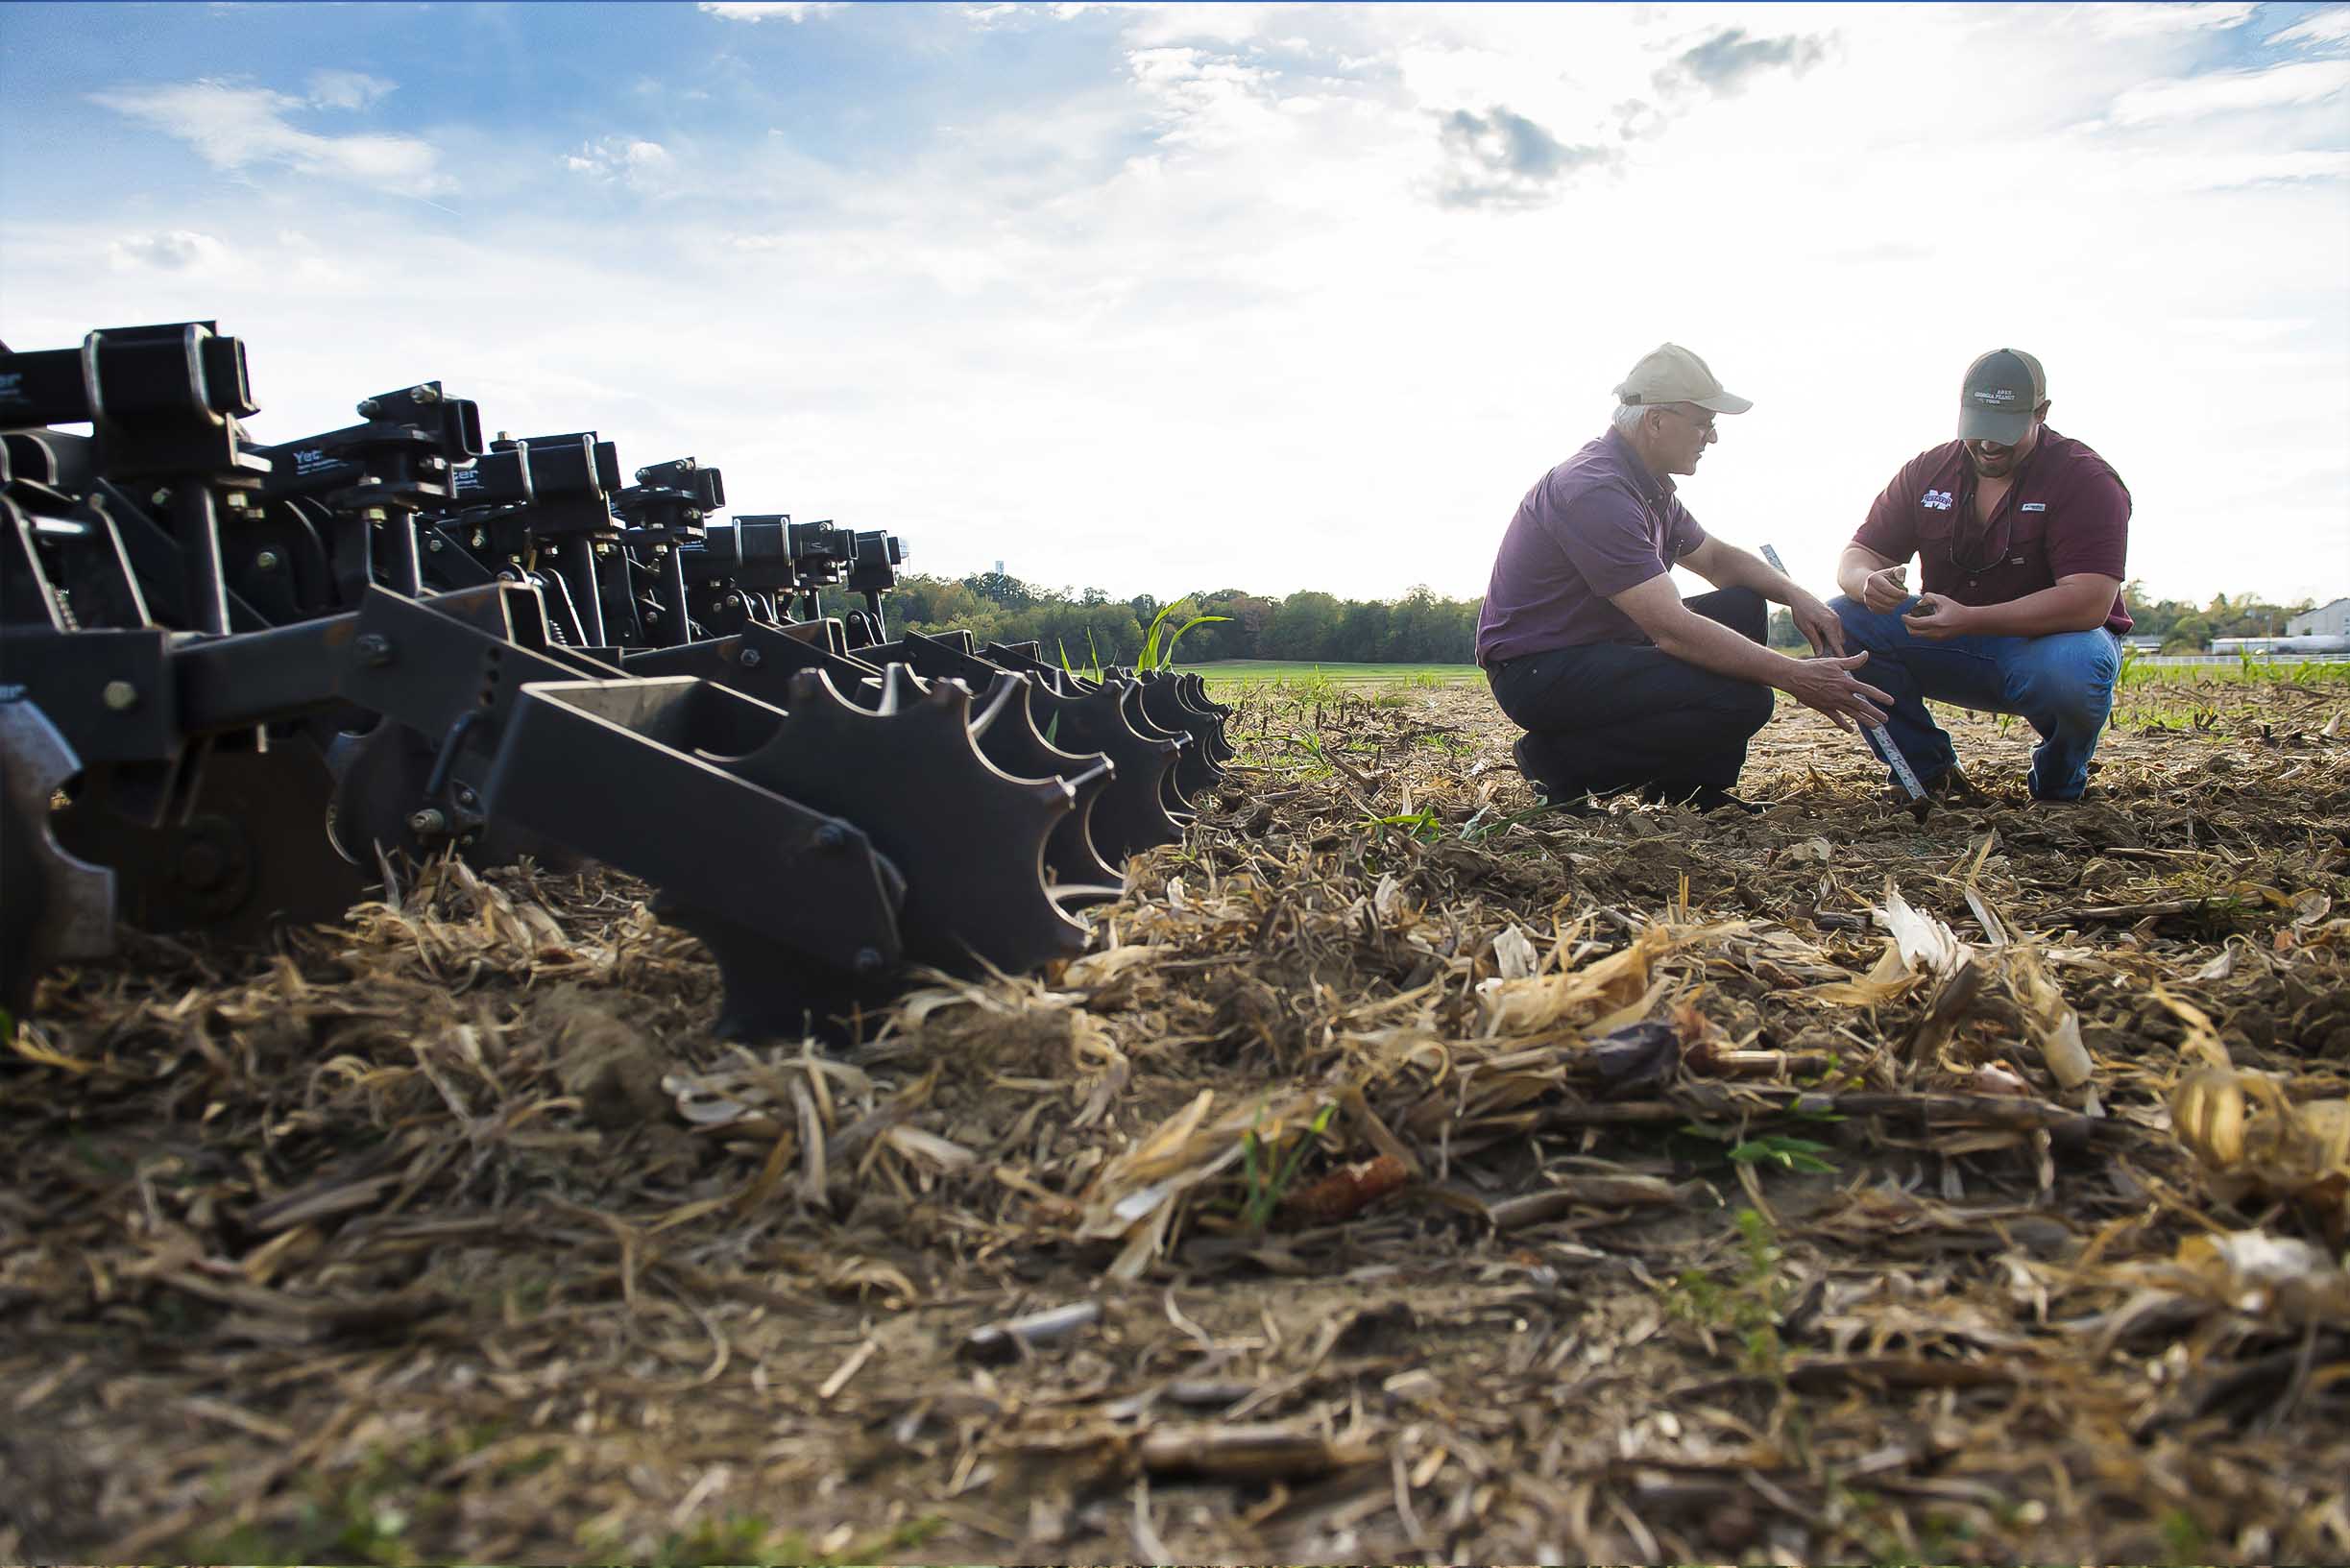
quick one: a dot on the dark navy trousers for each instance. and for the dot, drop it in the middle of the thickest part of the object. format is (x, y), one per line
(1610, 716)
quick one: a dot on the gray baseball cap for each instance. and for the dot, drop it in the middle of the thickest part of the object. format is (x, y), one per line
(1997, 400)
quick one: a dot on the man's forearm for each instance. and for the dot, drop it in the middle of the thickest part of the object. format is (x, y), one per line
(1709, 645)
(1853, 570)
(2063, 608)
(1734, 567)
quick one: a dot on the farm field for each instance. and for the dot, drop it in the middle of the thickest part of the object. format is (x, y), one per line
(1403, 1176)
(1239, 672)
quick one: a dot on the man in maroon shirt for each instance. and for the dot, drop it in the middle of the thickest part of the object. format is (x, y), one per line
(1618, 683)
(2021, 537)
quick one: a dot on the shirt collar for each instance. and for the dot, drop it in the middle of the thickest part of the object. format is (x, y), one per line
(1649, 485)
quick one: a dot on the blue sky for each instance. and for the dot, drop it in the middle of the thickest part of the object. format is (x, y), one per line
(1163, 297)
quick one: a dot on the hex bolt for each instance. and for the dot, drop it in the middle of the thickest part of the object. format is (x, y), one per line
(427, 822)
(373, 649)
(160, 498)
(120, 695)
(425, 395)
(433, 546)
(831, 836)
(641, 473)
(432, 464)
(268, 560)
(466, 798)
(752, 659)
(370, 407)
(869, 960)
(693, 513)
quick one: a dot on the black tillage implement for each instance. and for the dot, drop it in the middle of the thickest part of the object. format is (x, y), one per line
(233, 676)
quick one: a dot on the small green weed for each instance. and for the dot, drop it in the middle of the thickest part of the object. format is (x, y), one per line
(1425, 826)
(1160, 643)
(1787, 1153)
(1269, 1174)
(2183, 1537)
(1748, 1305)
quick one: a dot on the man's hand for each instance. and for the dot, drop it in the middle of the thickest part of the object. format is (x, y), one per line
(1934, 618)
(1884, 591)
(1827, 684)
(1817, 622)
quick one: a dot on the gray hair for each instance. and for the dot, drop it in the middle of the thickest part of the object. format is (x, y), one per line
(1627, 417)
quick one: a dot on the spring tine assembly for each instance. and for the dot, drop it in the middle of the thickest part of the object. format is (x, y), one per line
(232, 677)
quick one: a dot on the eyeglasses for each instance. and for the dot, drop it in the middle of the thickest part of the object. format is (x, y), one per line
(1983, 560)
(1702, 419)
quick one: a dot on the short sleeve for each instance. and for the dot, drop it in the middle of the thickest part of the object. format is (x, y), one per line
(1891, 530)
(1604, 534)
(2091, 533)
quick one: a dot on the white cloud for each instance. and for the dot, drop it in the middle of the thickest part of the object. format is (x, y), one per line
(641, 165)
(174, 249)
(2319, 30)
(235, 128)
(347, 90)
(2163, 17)
(758, 10)
(2230, 92)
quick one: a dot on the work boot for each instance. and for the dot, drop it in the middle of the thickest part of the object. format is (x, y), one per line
(1544, 783)
(1949, 787)
(1568, 800)
(1700, 798)
(2089, 793)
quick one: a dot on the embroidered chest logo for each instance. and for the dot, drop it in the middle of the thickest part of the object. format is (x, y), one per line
(2033, 506)
(1938, 499)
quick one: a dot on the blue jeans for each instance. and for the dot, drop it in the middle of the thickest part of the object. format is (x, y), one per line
(2061, 683)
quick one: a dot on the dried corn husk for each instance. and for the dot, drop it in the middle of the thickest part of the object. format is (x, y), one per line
(2055, 1028)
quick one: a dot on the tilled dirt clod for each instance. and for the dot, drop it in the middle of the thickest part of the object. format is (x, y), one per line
(1409, 1177)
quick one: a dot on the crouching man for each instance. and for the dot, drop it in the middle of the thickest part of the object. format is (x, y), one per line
(1618, 682)
(2021, 537)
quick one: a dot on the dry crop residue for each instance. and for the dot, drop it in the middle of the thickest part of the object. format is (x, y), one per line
(1395, 1181)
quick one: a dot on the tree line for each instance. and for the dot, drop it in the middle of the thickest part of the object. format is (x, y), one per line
(1420, 627)
(2187, 628)
(2183, 626)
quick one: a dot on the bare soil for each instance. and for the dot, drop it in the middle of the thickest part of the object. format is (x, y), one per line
(1410, 1183)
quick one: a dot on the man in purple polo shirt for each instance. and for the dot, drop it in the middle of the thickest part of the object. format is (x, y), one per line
(1618, 682)
(2022, 541)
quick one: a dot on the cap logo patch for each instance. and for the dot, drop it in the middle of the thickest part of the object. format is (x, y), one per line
(1995, 395)
(1937, 499)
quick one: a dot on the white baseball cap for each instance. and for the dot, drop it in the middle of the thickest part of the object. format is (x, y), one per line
(1669, 373)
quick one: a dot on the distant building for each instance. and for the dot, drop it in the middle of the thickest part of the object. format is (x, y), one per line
(2326, 620)
(2143, 645)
